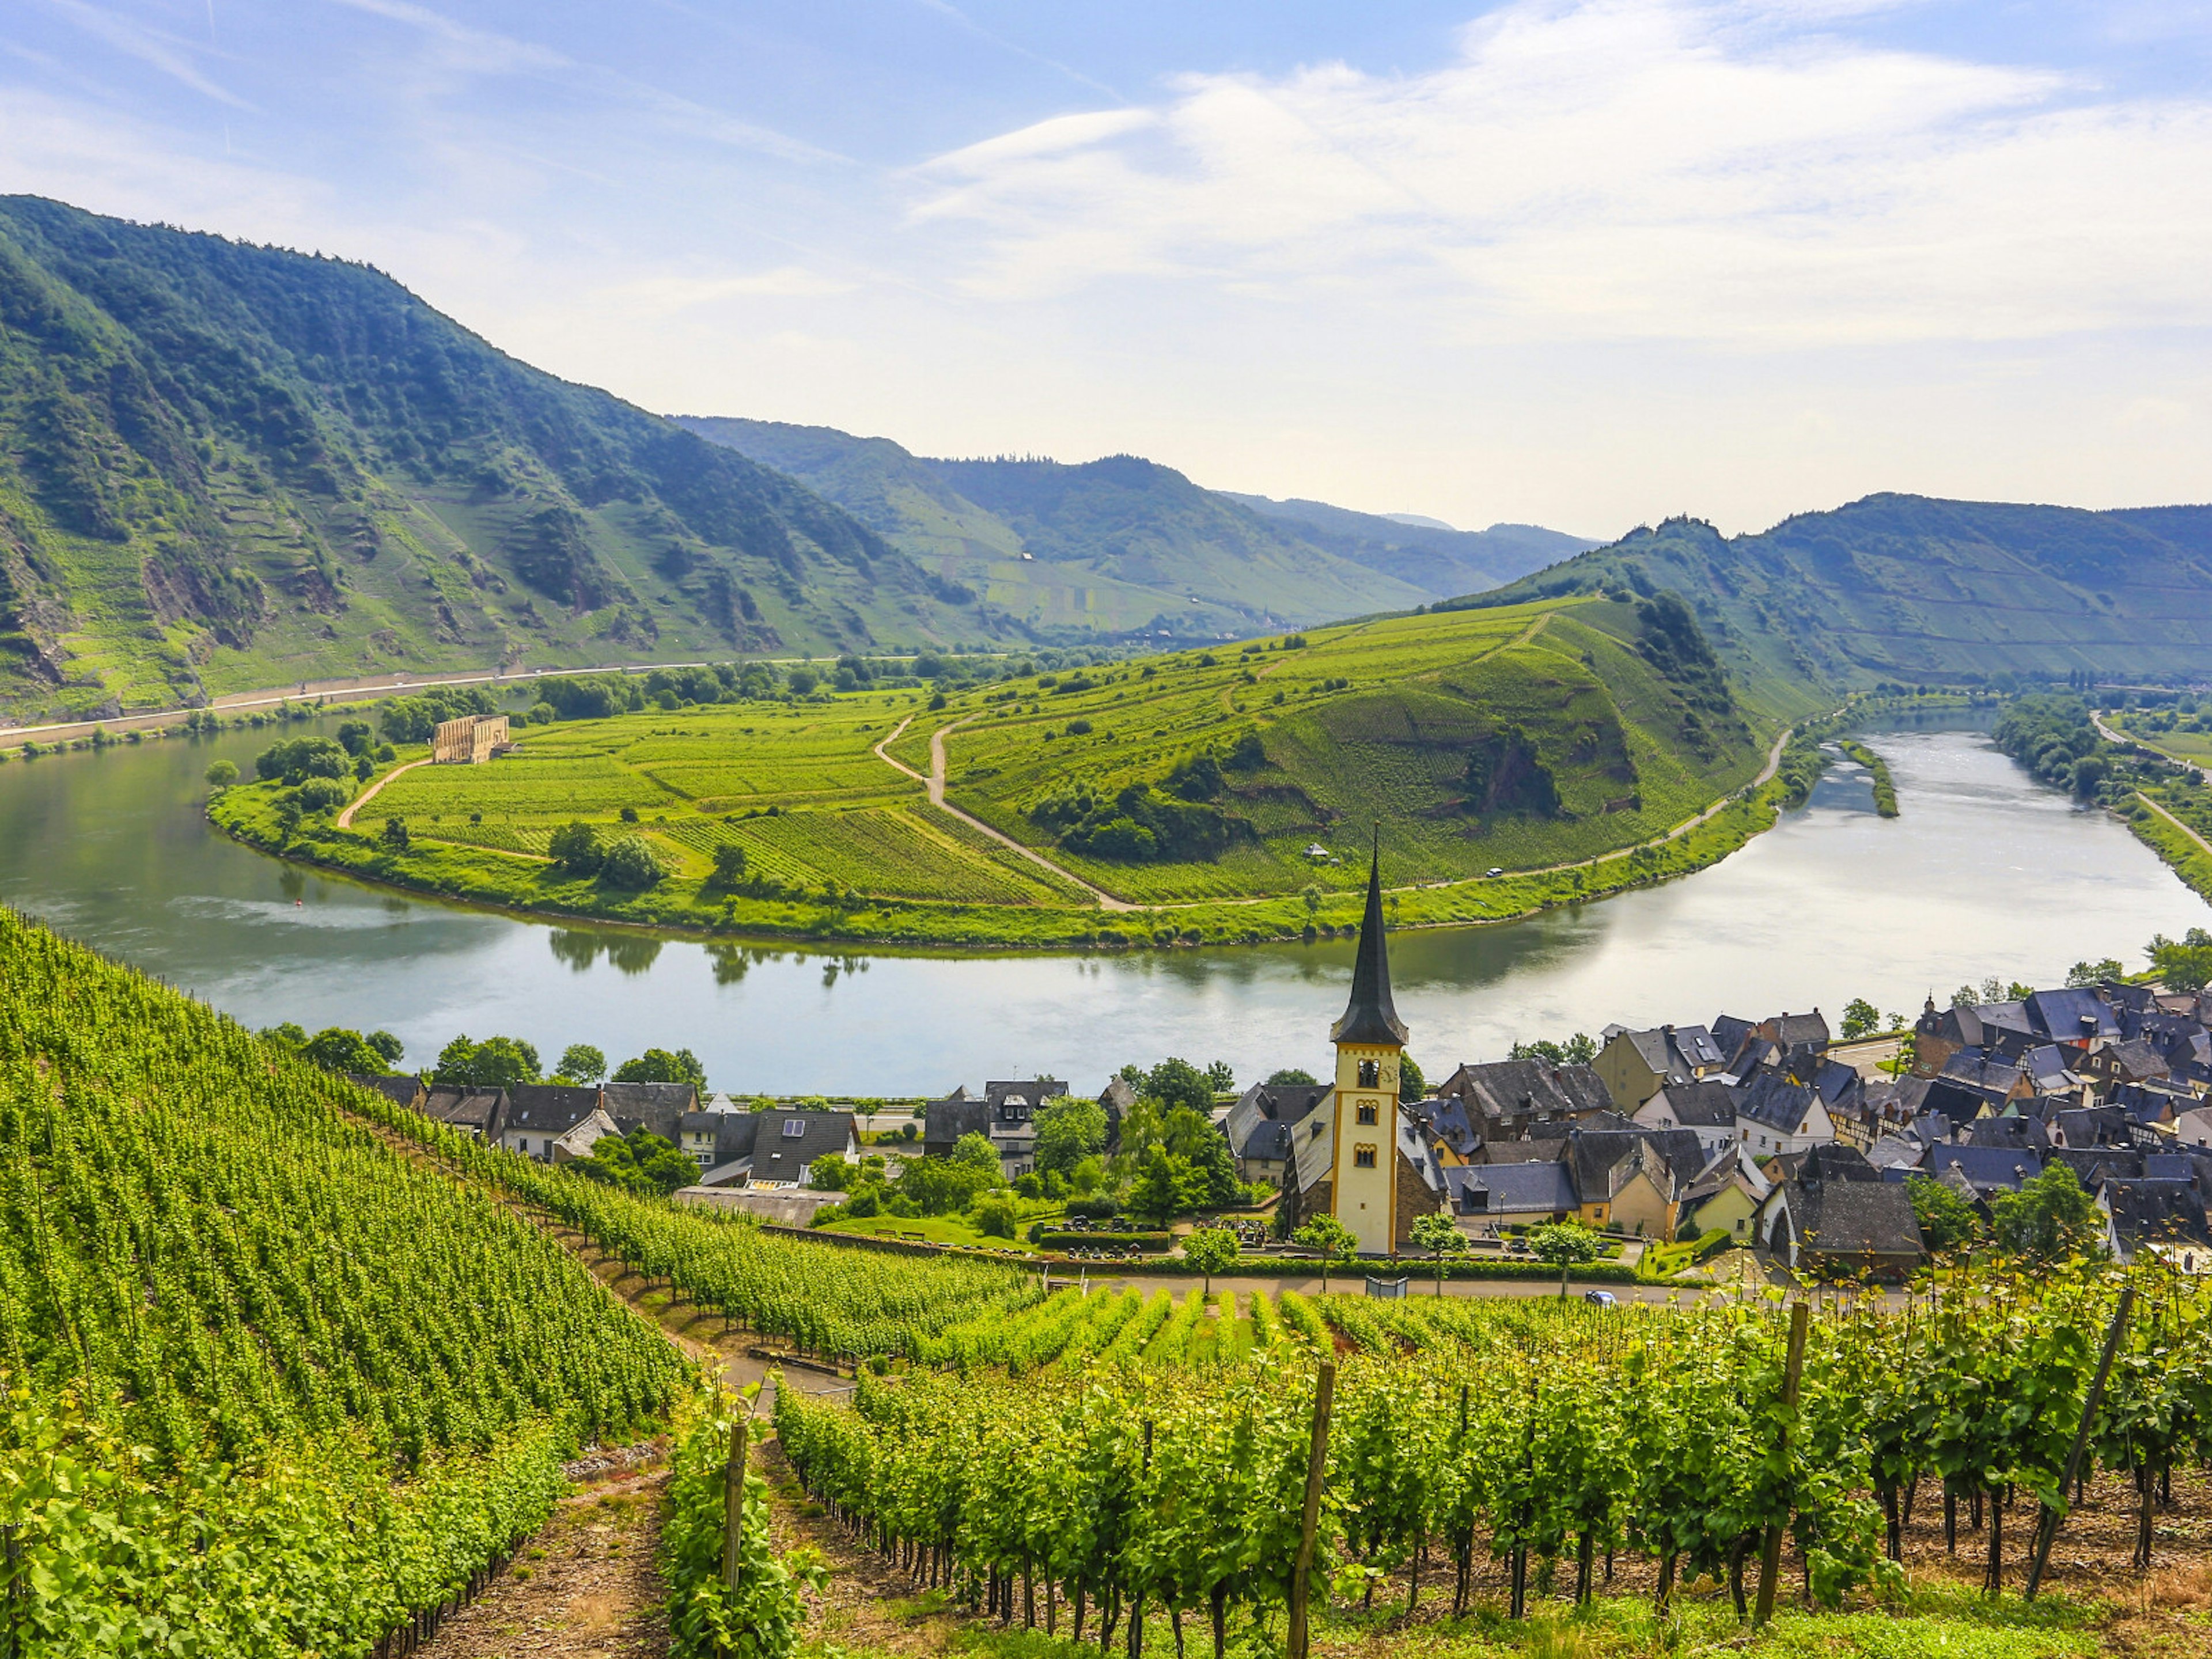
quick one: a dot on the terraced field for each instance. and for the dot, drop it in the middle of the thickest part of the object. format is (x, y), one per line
(1221, 794)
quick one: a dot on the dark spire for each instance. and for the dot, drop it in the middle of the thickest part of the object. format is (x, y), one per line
(1369, 1017)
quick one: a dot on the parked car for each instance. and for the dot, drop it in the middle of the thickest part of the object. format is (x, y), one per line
(1602, 1298)
(1495, 870)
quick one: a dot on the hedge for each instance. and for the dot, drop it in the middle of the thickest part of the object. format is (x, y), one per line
(1067, 1241)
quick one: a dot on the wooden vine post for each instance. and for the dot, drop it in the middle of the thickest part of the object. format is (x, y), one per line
(1770, 1558)
(1309, 1523)
(2047, 1524)
(733, 1502)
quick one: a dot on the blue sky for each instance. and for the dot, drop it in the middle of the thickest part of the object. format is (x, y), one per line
(1583, 263)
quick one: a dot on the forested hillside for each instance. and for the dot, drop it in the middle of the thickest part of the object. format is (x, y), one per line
(1124, 545)
(224, 465)
(1903, 587)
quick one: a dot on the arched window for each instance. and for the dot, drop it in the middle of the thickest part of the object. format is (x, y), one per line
(1370, 1073)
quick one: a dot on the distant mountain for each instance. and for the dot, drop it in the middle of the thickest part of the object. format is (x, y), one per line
(1426, 552)
(1125, 546)
(224, 465)
(1944, 592)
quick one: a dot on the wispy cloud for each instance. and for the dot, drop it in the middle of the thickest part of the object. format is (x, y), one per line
(662, 297)
(1624, 169)
(171, 56)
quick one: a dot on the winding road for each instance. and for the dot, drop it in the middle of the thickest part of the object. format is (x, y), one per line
(345, 819)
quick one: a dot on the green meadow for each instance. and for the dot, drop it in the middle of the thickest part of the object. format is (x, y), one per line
(1213, 795)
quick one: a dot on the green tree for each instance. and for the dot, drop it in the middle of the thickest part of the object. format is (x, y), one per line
(1067, 1132)
(1332, 1241)
(1179, 1083)
(976, 1153)
(390, 1047)
(336, 1050)
(575, 848)
(581, 1063)
(639, 1162)
(2049, 1218)
(1163, 1188)
(658, 1066)
(1861, 1018)
(1565, 1244)
(630, 865)
(295, 760)
(222, 774)
(355, 736)
(1291, 1076)
(729, 865)
(994, 1215)
(830, 1173)
(395, 835)
(1577, 1050)
(1411, 1086)
(1946, 1220)
(2184, 966)
(497, 1062)
(1436, 1234)
(1219, 1078)
(1211, 1251)
(939, 1186)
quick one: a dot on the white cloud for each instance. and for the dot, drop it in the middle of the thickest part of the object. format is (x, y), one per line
(163, 52)
(663, 296)
(1619, 169)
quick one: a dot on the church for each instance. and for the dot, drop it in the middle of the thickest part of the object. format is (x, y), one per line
(1364, 1159)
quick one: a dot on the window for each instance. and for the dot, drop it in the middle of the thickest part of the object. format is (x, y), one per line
(1370, 1073)
(1363, 1158)
(1368, 1111)
(794, 1128)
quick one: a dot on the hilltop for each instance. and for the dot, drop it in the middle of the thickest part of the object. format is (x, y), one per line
(1124, 545)
(224, 465)
(1905, 586)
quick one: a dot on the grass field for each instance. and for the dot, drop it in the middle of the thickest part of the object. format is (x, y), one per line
(1545, 741)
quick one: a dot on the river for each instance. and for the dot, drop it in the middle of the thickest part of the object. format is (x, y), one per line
(1987, 873)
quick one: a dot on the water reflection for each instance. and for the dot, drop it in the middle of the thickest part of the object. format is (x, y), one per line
(1984, 873)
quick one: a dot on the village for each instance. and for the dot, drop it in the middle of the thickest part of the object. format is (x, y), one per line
(1766, 1134)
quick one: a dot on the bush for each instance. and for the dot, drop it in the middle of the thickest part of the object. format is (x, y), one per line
(542, 713)
(993, 1215)
(323, 795)
(1067, 1241)
(575, 847)
(297, 759)
(1094, 1209)
(222, 774)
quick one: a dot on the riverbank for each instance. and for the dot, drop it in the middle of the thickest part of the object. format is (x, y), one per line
(694, 908)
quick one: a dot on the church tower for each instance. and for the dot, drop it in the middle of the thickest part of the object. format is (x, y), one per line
(1369, 1039)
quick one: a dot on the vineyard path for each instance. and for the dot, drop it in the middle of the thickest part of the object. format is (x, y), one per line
(345, 819)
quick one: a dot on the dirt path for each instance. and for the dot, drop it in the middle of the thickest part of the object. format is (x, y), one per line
(345, 819)
(585, 1588)
(934, 783)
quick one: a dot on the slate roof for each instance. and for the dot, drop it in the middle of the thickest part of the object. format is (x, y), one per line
(2133, 1061)
(1773, 1100)
(945, 1121)
(1511, 1189)
(1259, 1125)
(1592, 1155)
(547, 1109)
(1707, 1104)
(1510, 1092)
(1371, 1017)
(2072, 1015)
(1729, 1032)
(1959, 1103)
(1859, 1218)
(1896, 1153)
(1608, 1121)
(659, 1107)
(2155, 1210)
(1312, 1148)
(2016, 1133)
(400, 1090)
(1797, 1031)
(2094, 1165)
(2094, 1126)
(1976, 1069)
(779, 1152)
(1986, 1168)
(488, 1112)
(1019, 1099)
(1696, 1047)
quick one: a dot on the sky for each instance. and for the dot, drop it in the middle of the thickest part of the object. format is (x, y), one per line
(1580, 263)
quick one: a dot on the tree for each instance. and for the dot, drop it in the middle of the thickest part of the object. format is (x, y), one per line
(222, 774)
(2049, 1218)
(976, 1153)
(2186, 966)
(1861, 1018)
(630, 864)
(639, 1162)
(336, 1050)
(575, 848)
(1411, 1086)
(289, 1035)
(354, 736)
(497, 1062)
(938, 1186)
(1440, 1237)
(1179, 1083)
(729, 865)
(1291, 1076)
(1946, 1219)
(1577, 1050)
(1219, 1078)
(581, 1063)
(830, 1173)
(1211, 1251)
(658, 1066)
(1564, 1243)
(2095, 973)
(1067, 1132)
(395, 835)
(994, 1215)
(388, 1046)
(1163, 1187)
(295, 760)
(1329, 1239)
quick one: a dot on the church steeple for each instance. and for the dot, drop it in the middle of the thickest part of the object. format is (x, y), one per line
(1369, 1017)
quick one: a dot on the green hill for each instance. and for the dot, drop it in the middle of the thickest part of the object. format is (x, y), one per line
(1125, 546)
(224, 465)
(1207, 793)
(1906, 588)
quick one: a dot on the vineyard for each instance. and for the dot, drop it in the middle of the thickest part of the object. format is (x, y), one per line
(1201, 780)
(271, 1386)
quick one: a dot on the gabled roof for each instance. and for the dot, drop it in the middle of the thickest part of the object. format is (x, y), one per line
(1986, 1168)
(2072, 1015)
(1707, 1104)
(1510, 1092)
(1511, 1189)
(1015, 1092)
(486, 1111)
(1414, 1147)
(2017, 1133)
(946, 1121)
(1896, 1153)
(659, 1107)
(786, 1141)
(400, 1090)
(1313, 1148)
(1695, 1044)
(542, 1108)
(2134, 1060)
(2092, 1166)
(1859, 1218)
(1773, 1100)
(2146, 1212)
(1371, 1017)
(2092, 1125)
(1729, 1032)
(1797, 1031)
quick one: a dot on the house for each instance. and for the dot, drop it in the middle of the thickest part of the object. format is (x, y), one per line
(2074, 1017)
(786, 1143)
(2193, 1128)
(945, 1122)
(478, 1113)
(1725, 1196)
(1981, 1172)
(657, 1108)
(1260, 1124)
(1774, 1115)
(538, 1113)
(471, 740)
(1640, 1194)
(2000, 1082)
(1114, 1100)
(1622, 1178)
(2002, 1028)
(1501, 1098)
(1844, 1229)
(1706, 1108)
(729, 1163)
(2131, 1060)
(400, 1090)
(2094, 1126)
(2013, 1133)
(1013, 1107)
(1796, 1033)
(697, 1133)
(1486, 1197)
(587, 1133)
(1634, 1065)
(2164, 1216)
